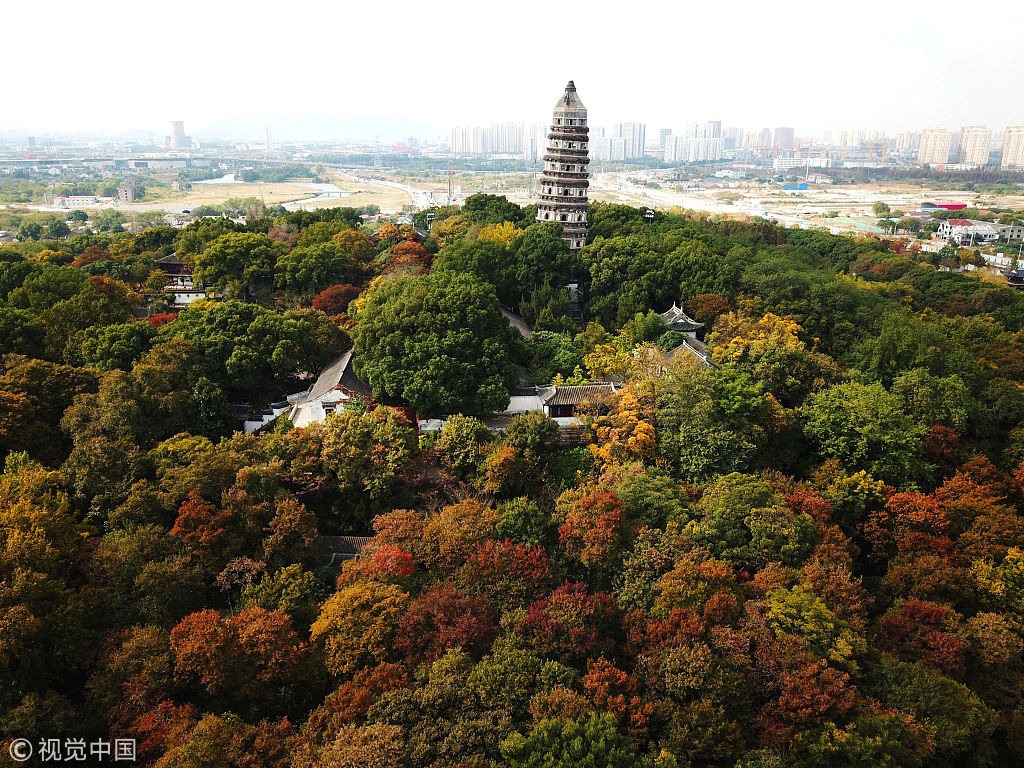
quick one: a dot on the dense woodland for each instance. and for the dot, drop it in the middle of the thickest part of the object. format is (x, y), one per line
(812, 555)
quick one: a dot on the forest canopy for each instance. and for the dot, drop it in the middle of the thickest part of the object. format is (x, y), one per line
(804, 549)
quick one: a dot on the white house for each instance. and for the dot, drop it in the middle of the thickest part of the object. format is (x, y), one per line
(968, 231)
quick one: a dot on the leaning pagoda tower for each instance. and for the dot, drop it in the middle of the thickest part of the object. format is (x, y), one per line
(563, 185)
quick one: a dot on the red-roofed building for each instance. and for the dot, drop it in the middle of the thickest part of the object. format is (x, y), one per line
(929, 206)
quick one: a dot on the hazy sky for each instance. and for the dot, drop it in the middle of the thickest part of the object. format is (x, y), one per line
(812, 65)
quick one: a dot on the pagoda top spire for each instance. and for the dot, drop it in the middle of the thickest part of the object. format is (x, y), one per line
(570, 101)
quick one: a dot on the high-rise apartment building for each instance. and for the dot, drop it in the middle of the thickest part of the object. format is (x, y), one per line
(470, 141)
(608, 149)
(1013, 147)
(733, 137)
(975, 142)
(564, 182)
(908, 140)
(936, 146)
(783, 138)
(757, 139)
(507, 138)
(635, 137)
(698, 143)
(498, 139)
(709, 130)
(693, 149)
(855, 137)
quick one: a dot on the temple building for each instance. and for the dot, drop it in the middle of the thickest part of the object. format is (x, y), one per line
(563, 185)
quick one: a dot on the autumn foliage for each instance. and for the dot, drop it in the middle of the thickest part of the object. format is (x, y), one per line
(802, 546)
(335, 300)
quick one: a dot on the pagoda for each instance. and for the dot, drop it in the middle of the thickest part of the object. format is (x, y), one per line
(563, 185)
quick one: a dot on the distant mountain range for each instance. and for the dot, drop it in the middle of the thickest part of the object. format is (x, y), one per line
(314, 128)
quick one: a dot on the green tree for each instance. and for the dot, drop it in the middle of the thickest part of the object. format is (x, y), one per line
(800, 612)
(745, 522)
(238, 263)
(309, 269)
(191, 241)
(491, 209)
(165, 393)
(254, 353)
(366, 452)
(866, 428)
(770, 350)
(43, 287)
(20, 332)
(870, 741)
(952, 714)
(593, 742)
(36, 395)
(934, 400)
(902, 342)
(462, 443)
(292, 590)
(438, 342)
(101, 301)
(116, 346)
(444, 720)
(321, 341)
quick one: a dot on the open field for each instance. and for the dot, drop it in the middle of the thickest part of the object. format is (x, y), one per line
(355, 193)
(853, 204)
(216, 194)
(362, 192)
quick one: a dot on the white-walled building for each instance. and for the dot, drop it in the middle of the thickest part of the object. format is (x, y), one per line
(498, 139)
(787, 163)
(697, 143)
(968, 231)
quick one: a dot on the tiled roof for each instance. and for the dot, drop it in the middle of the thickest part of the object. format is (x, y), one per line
(697, 350)
(331, 549)
(677, 320)
(574, 395)
(350, 381)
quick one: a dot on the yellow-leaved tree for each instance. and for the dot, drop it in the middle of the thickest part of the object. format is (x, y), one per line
(608, 360)
(356, 626)
(387, 230)
(503, 233)
(770, 349)
(626, 432)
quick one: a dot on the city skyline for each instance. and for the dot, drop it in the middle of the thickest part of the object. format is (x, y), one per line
(791, 64)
